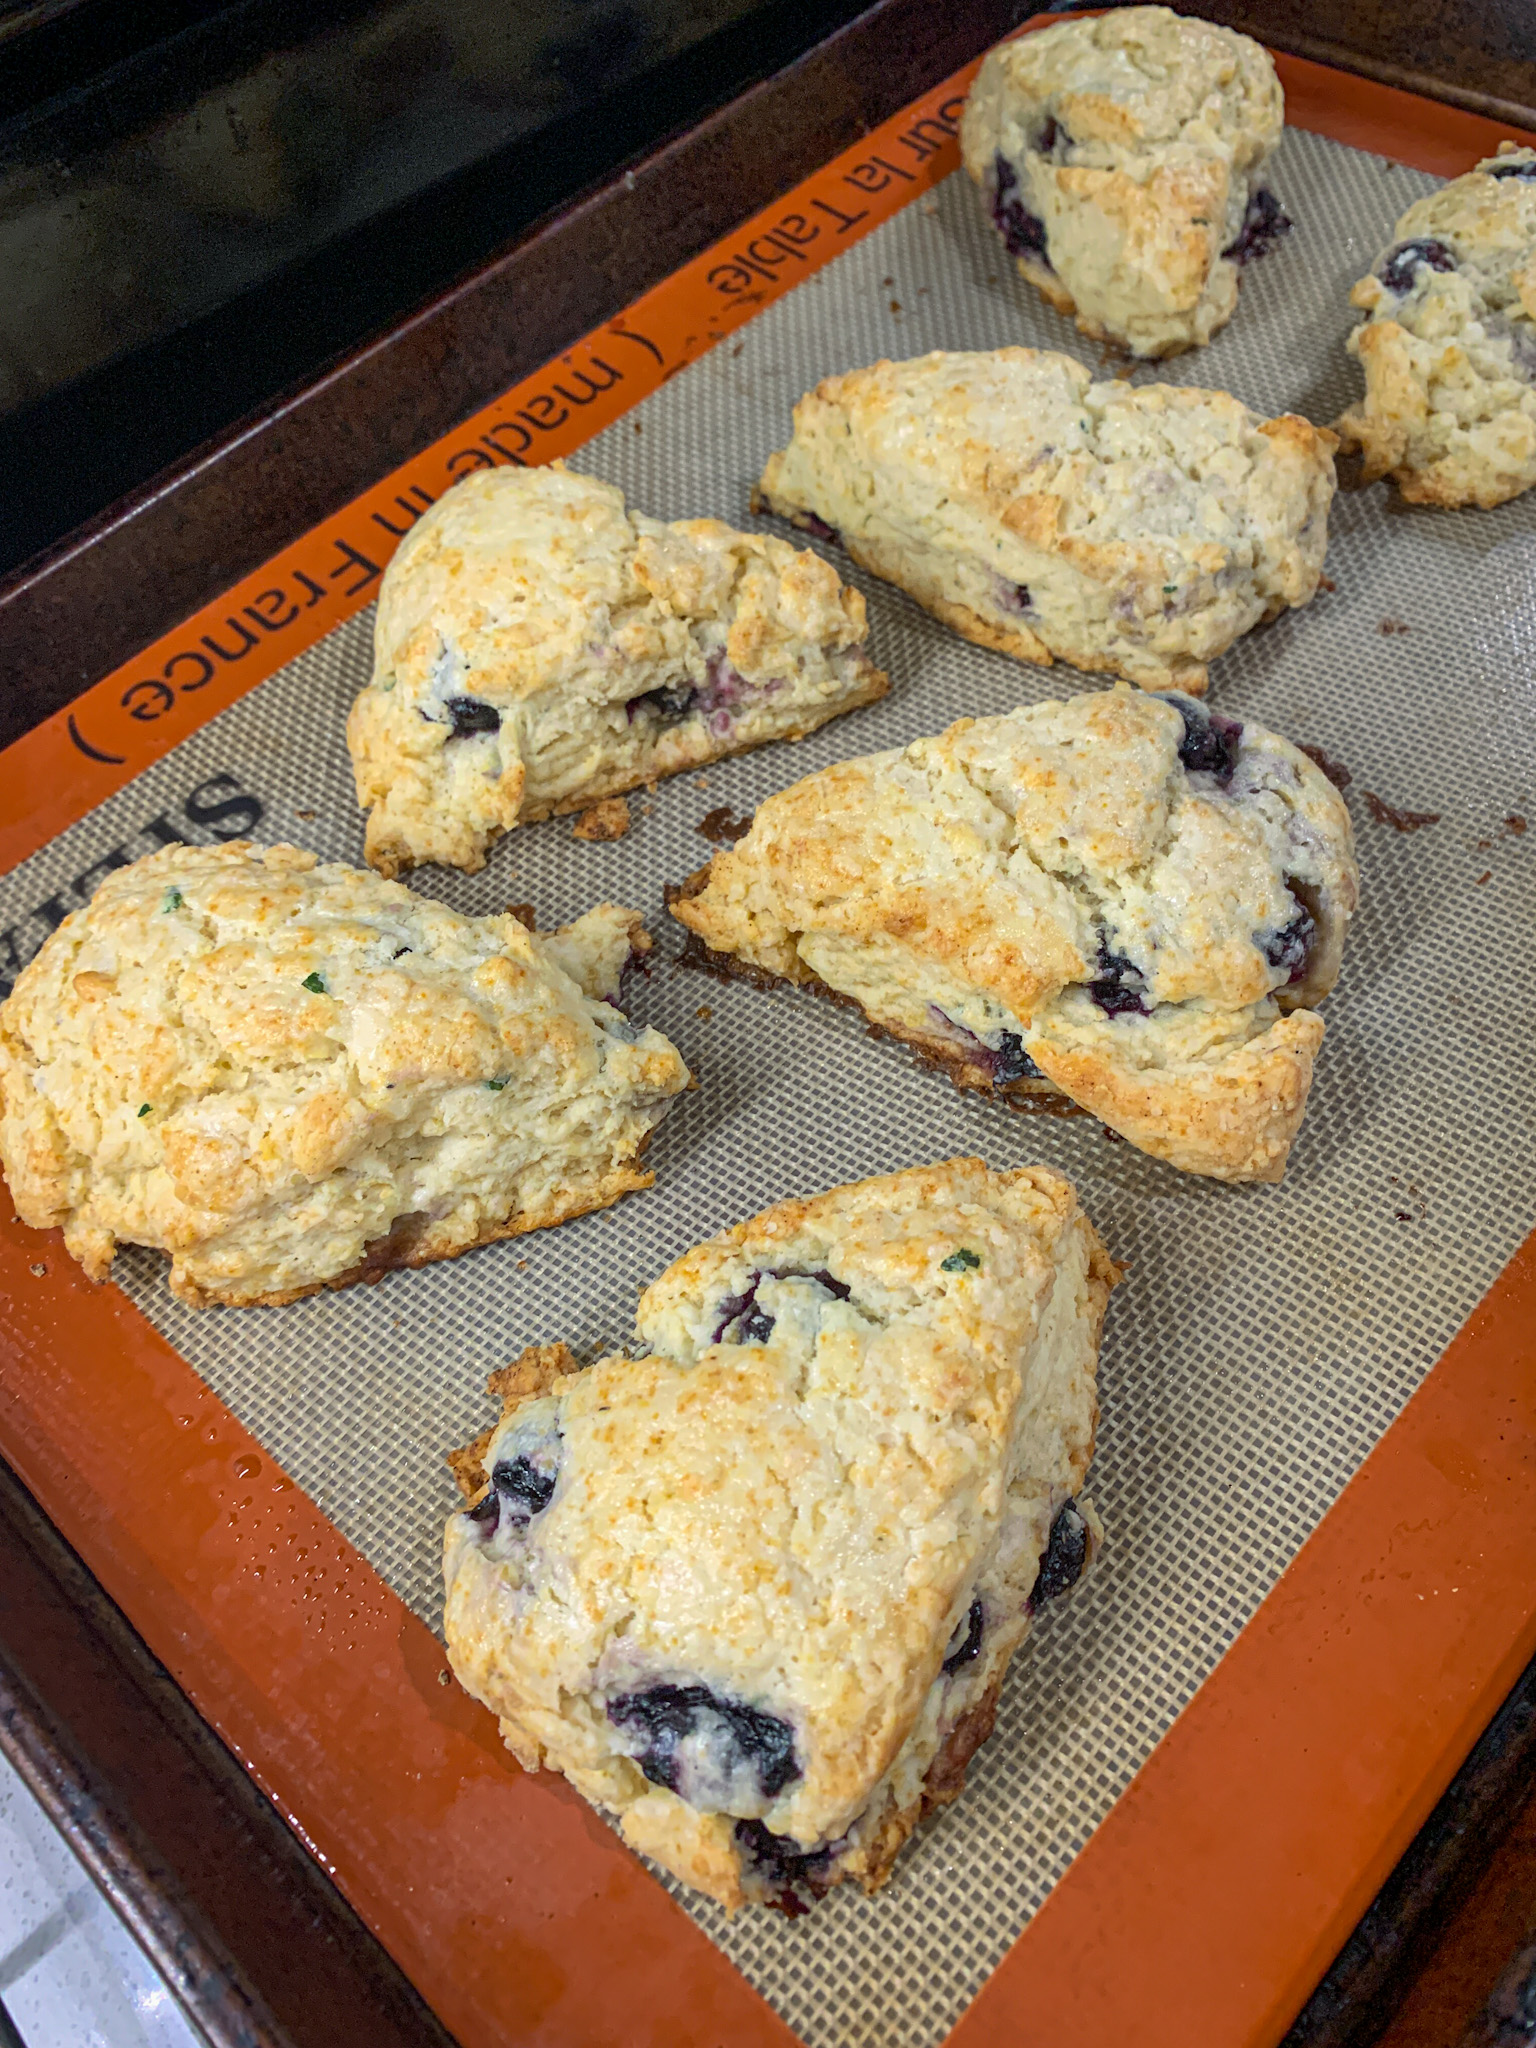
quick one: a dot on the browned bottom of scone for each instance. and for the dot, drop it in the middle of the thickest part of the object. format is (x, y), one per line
(945, 1781)
(409, 1242)
(1036, 1095)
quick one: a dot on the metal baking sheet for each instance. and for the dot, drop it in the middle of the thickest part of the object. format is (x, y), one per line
(1265, 1338)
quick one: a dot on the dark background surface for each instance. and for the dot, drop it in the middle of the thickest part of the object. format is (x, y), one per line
(202, 205)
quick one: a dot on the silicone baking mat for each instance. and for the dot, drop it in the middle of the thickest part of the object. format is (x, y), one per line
(1265, 1339)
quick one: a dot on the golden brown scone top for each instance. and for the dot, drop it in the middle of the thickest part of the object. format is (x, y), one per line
(844, 1408)
(265, 1066)
(1147, 897)
(1449, 347)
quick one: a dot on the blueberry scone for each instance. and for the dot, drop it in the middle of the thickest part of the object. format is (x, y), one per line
(1135, 530)
(1121, 898)
(1449, 344)
(538, 647)
(755, 1590)
(291, 1076)
(1124, 162)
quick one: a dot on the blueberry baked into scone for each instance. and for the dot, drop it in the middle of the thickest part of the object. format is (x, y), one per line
(538, 647)
(291, 1076)
(1124, 163)
(1449, 344)
(1137, 530)
(1121, 898)
(755, 1590)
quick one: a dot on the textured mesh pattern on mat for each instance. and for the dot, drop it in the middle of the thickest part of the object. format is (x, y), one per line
(1266, 1336)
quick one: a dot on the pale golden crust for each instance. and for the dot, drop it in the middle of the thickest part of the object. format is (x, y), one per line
(1134, 530)
(1055, 888)
(1449, 347)
(292, 1077)
(792, 1519)
(538, 648)
(1135, 141)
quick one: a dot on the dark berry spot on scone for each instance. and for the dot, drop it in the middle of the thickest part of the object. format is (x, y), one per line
(1011, 1062)
(1514, 167)
(1001, 1063)
(471, 715)
(700, 1745)
(1117, 987)
(1263, 225)
(671, 705)
(755, 1327)
(1012, 597)
(838, 1289)
(523, 1478)
(1023, 232)
(1400, 266)
(521, 1484)
(1291, 947)
(782, 1868)
(741, 1321)
(731, 1310)
(818, 529)
(1065, 1556)
(965, 1644)
(486, 1513)
(1210, 743)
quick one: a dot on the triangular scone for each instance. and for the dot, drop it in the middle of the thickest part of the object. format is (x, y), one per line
(1123, 159)
(1449, 345)
(754, 1592)
(539, 647)
(291, 1076)
(1124, 896)
(1133, 529)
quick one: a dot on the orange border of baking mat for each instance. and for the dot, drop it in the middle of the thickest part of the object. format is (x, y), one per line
(1212, 1896)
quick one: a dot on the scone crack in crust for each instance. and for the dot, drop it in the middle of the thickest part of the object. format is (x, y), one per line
(1129, 897)
(539, 647)
(754, 1589)
(291, 1076)
(1123, 161)
(1138, 530)
(1449, 344)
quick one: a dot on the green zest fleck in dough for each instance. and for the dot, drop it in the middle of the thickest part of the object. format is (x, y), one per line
(1169, 589)
(144, 1108)
(173, 900)
(496, 1085)
(315, 983)
(958, 1261)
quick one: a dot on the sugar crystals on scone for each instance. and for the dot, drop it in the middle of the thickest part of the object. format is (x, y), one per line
(1123, 898)
(755, 1590)
(291, 1076)
(1449, 344)
(539, 647)
(1136, 530)
(1124, 161)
